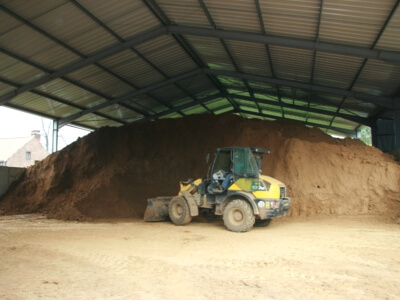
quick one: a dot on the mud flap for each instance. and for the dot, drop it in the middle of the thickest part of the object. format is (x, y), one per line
(157, 209)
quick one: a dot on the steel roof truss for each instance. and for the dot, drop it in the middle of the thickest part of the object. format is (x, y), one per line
(252, 37)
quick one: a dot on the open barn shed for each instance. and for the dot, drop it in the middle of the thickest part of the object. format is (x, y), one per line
(333, 64)
(164, 83)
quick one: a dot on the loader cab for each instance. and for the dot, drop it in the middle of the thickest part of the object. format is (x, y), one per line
(242, 161)
(236, 162)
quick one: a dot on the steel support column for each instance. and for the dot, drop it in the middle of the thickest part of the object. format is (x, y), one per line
(54, 146)
(396, 128)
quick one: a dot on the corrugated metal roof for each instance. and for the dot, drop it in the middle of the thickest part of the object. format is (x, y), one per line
(226, 13)
(64, 90)
(92, 41)
(54, 58)
(130, 66)
(65, 22)
(143, 103)
(329, 65)
(335, 63)
(17, 71)
(390, 38)
(354, 22)
(199, 86)
(25, 41)
(211, 52)
(31, 9)
(34, 102)
(167, 55)
(184, 12)
(291, 18)
(388, 75)
(292, 64)
(250, 58)
(103, 82)
(126, 18)
(5, 88)
(7, 23)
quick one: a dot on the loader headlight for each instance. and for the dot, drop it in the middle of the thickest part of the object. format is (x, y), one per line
(261, 204)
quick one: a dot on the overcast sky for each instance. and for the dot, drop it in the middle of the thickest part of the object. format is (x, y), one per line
(14, 123)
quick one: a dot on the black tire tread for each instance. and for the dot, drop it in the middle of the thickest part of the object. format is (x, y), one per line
(185, 218)
(247, 212)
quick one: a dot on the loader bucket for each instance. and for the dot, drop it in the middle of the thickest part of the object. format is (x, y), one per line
(157, 209)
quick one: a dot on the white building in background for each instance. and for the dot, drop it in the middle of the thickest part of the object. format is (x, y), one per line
(22, 152)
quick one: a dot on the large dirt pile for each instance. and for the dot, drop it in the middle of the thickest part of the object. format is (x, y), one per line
(111, 172)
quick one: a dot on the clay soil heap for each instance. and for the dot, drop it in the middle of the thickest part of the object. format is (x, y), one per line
(113, 171)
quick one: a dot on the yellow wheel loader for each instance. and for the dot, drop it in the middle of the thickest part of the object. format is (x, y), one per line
(234, 189)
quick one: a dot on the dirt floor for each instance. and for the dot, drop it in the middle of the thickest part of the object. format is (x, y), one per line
(294, 258)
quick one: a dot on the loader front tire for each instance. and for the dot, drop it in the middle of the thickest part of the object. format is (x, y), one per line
(238, 216)
(179, 211)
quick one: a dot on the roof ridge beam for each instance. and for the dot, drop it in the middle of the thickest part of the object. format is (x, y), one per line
(390, 56)
(382, 101)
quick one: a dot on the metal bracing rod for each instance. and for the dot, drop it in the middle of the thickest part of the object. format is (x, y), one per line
(386, 102)
(129, 96)
(390, 56)
(84, 62)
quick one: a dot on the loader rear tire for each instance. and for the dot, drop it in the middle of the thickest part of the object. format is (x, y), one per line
(238, 216)
(179, 211)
